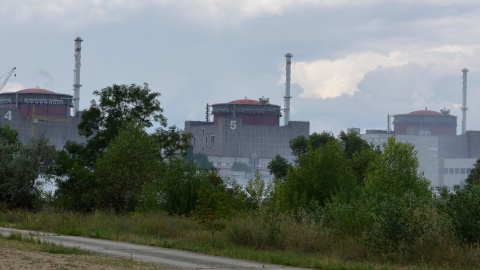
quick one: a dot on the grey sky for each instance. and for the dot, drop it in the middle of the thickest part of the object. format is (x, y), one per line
(354, 61)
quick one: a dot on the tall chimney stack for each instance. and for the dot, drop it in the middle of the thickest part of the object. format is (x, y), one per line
(76, 75)
(287, 96)
(464, 107)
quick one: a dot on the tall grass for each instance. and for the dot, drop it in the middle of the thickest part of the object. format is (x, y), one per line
(280, 238)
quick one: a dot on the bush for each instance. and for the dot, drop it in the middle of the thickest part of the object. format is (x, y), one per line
(397, 224)
(463, 206)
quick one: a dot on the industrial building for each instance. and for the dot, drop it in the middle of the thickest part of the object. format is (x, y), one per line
(247, 131)
(36, 111)
(444, 157)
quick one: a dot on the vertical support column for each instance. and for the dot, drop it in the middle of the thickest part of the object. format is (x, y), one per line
(464, 106)
(287, 96)
(76, 76)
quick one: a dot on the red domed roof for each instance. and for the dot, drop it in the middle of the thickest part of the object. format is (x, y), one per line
(245, 101)
(424, 112)
(36, 90)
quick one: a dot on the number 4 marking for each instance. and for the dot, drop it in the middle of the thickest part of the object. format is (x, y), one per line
(9, 115)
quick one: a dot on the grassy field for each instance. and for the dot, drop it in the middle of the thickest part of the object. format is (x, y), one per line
(279, 241)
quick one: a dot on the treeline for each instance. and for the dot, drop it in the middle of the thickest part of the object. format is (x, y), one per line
(373, 198)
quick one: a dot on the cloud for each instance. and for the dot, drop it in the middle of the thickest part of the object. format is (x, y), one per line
(326, 78)
(12, 87)
(91, 12)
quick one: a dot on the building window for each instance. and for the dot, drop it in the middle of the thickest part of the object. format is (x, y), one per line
(194, 141)
(445, 170)
(212, 139)
(203, 148)
(203, 131)
(457, 170)
(206, 140)
(469, 170)
(450, 170)
(462, 170)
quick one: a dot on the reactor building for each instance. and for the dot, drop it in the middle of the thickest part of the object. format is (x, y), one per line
(36, 111)
(247, 131)
(444, 157)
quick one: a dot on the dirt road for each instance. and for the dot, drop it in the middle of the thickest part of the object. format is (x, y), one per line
(168, 258)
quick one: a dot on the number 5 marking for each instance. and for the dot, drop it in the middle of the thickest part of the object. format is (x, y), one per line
(233, 124)
(9, 115)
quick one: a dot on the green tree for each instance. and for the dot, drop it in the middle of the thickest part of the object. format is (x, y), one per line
(278, 167)
(320, 175)
(474, 176)
(172, 142)
(201, 160)
(8, 135)
(394, 172)
(174, 191)
(240, 167)
(80, 171)
(117, 105)
(359, 153)
(301, 144)
(212, 210)
(75, 181)
(24, 170)
(463, 206)
(256, 190)
(129, 162)
(352, 143)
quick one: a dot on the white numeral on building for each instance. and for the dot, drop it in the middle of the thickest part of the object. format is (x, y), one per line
(233, 124)
(9, 115)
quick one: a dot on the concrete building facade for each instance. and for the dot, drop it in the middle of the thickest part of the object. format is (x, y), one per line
(38, 111)
(444, 157)
(245, 131)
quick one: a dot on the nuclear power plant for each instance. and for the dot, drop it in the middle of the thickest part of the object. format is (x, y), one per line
(247, 131)
(36, 111)
(444, 157)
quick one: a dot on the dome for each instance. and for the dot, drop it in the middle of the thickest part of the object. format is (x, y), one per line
(245, 101)
(36, 90)
(424, 112)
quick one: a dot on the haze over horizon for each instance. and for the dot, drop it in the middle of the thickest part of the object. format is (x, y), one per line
(353, 62)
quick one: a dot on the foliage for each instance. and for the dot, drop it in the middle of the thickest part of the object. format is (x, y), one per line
(76, 183)
(240, 167)
(474, 176)
(174, 191)
(129, 162)
(256, 190)
(301, 145)
(398, 222)
(359, 154)
(352, 143)
(172, 142)
(118, 104)
(201, 160)
(211, 210)
(119, 159)
(271, 237)
(8, 135)
(463, 206)
(279, 166)
(23, 169)
(320, 175)
(394, 172)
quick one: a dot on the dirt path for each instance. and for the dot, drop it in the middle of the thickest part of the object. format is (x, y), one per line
(22, 255)
(172, 258)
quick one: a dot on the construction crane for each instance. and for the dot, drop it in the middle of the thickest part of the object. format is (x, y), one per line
(8, 74)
